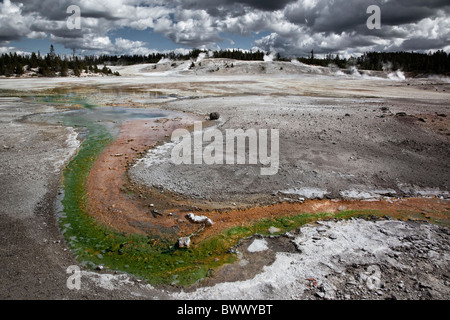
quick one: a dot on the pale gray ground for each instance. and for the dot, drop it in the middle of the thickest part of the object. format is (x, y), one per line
(371, 152)
(329, 147)
(354, 259)
(339, 134)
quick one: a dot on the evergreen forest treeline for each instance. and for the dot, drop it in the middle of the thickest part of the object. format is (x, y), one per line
(419, 63)
(52, 65)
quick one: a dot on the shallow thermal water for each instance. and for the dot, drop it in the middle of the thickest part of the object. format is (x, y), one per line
(109, 117)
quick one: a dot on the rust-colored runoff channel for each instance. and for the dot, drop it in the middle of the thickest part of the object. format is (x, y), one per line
(116, 203)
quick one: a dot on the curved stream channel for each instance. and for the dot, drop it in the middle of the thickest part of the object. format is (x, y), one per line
(151, 257)
(155, 257)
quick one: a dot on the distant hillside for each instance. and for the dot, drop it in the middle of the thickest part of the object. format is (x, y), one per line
(52, 65)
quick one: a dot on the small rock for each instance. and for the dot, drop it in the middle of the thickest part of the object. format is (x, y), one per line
(273, 230)
(400, 114)
(184, 242)
(425, 285)
(199, 219)
(155, 213)
(258, 245)
(214, 116)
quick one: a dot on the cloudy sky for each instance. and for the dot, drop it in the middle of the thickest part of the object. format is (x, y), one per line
(289, 27)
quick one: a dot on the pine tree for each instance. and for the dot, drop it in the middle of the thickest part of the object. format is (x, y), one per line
(18, 69)
(64, 68)
(76, 71)
(52, 52)
(44, 70)
(33, 60)
(76, 67)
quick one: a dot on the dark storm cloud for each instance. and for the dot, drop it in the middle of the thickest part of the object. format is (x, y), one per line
(294, 26)
(53, 10)
(57, 30)
(422, 44)
(5, 37)
(57, 10)
(231, 5)
(340, 25)
(345, 15)
(267, 5)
